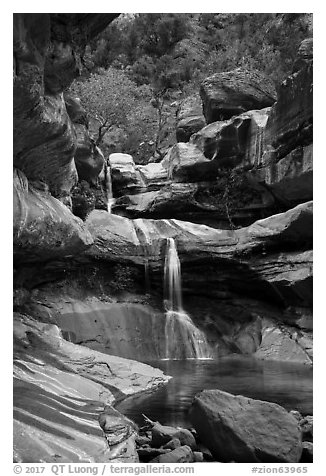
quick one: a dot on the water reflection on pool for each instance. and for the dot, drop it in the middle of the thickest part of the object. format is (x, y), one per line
(287, 384)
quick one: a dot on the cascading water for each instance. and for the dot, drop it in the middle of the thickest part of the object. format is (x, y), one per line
(182, 338)
(109, 191)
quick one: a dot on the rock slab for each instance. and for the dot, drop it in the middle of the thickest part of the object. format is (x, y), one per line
(240, 429)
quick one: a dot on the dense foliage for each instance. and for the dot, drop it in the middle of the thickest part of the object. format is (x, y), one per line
(141, 63)
(168, 49)
(120, 109)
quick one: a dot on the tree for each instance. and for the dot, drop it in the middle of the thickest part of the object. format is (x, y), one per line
(117, 103)
(108, 97)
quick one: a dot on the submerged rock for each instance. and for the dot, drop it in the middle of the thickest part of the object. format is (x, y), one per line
(240, 429)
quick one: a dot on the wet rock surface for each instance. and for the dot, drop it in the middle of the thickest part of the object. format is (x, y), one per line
(51, 374)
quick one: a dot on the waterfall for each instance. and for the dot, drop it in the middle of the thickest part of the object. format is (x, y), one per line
(172, 278)
(108, 184)
(182, 338)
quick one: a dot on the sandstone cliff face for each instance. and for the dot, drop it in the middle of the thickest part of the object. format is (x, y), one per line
(290, 122)
(45, 64)
(44, 228)
(286, 167)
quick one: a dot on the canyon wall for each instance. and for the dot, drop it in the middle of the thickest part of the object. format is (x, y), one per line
(236, 197)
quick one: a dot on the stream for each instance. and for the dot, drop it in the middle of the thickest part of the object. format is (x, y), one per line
(288, 384)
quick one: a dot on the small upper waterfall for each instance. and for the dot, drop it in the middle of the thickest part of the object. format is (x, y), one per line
(109, 192)
(182, 338)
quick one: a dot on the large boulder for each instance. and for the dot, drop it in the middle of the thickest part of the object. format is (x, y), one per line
(190, 118)
(44, 228)
(240, 429)
(231, 93)
(186, 163)
(125, 176)
(236, 141)
(224, 141)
